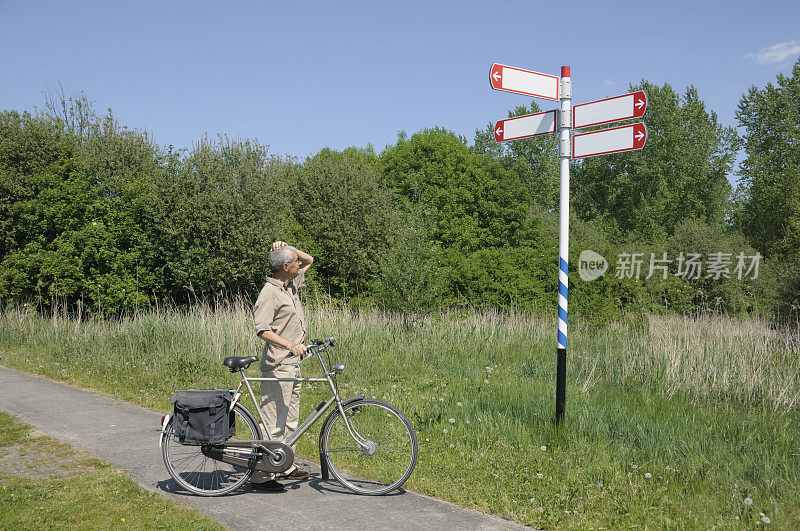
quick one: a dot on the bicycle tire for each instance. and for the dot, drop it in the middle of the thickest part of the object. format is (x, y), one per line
(202, 475)
(391, 449)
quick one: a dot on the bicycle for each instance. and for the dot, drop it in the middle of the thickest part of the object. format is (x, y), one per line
(368, 445)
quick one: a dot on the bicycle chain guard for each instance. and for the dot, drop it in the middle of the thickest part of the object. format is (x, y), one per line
(263, 461)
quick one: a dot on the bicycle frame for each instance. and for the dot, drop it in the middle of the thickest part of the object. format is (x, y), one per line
(321, 409)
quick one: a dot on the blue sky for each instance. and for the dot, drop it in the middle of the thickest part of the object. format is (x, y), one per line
(303, 75)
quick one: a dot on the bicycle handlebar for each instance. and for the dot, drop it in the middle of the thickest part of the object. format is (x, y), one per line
(319, 345)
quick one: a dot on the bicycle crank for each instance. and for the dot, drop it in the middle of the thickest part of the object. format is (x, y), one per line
(241, 453)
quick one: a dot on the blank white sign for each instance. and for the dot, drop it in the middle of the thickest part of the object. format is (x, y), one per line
(530, 83)
(536, 124)
(607, 141)
(603, 111)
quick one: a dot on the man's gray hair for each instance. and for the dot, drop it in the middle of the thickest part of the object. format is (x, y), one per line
(280, 256)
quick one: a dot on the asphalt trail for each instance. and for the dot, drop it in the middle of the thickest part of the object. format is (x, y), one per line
(126, 436)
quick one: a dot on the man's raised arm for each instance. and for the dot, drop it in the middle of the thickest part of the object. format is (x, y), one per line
(305, 260)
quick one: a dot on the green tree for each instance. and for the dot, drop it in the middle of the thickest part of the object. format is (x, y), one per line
(680, 174)
(212, 216)
(69, 234)
(734, 290)
(29, 146)
(473, 202)
(410, 270)
(344, 215)
(769, 188)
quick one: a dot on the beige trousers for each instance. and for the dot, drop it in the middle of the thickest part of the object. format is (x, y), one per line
(280, 407)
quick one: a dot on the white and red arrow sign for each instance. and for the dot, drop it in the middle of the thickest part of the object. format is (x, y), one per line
(609, 110)
(541, 123)
(614, 140)
(527, 82)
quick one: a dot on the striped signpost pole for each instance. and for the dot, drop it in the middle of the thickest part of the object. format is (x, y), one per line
(564, 156)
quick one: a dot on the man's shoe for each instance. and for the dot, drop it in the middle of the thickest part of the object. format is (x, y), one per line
(296, 474)
(271, 486)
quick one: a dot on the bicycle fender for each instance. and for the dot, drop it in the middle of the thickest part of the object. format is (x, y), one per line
(164, 423)
(354, 398)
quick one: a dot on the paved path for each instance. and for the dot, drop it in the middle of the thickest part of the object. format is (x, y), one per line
(126, 436)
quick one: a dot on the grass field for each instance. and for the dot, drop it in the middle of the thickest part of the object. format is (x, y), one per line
(45, 484)
(670, 421)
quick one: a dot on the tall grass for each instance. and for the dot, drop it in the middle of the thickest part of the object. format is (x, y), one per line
(745, 360)
(670, 421)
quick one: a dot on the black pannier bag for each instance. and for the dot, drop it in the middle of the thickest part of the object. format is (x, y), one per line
(203, 416)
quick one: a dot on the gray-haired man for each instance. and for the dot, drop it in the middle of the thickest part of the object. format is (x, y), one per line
(280, 321)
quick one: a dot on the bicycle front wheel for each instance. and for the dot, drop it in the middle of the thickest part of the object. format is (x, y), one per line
(382, 454)
(204, 476)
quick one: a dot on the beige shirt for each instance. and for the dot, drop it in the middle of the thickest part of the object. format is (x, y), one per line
(278, 309)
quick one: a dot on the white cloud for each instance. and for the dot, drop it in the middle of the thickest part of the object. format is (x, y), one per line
(775, 53)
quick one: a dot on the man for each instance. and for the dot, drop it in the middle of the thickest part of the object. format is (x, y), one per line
(280, 321)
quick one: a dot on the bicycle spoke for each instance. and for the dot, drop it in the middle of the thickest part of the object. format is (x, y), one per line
(188, 459)
(188, 463)
(395, 454)
(347, 449)
(389, 462)
(216, 475)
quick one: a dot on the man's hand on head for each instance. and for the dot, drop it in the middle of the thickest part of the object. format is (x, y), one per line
(278, 244)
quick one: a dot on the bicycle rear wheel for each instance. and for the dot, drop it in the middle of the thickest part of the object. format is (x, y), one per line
(386, 455)
(202, 475)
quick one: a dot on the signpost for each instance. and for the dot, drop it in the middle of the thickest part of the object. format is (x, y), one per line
(605, 141)
(610, 140)
(563, 242)
(609, 110)
(541, 123)
(527, 82)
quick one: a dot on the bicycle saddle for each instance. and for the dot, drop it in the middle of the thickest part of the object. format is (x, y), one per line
(235, 362)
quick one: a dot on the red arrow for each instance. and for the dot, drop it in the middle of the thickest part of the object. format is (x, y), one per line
(639, 136)
(496, 76)
(639, 104)
(498, 133)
